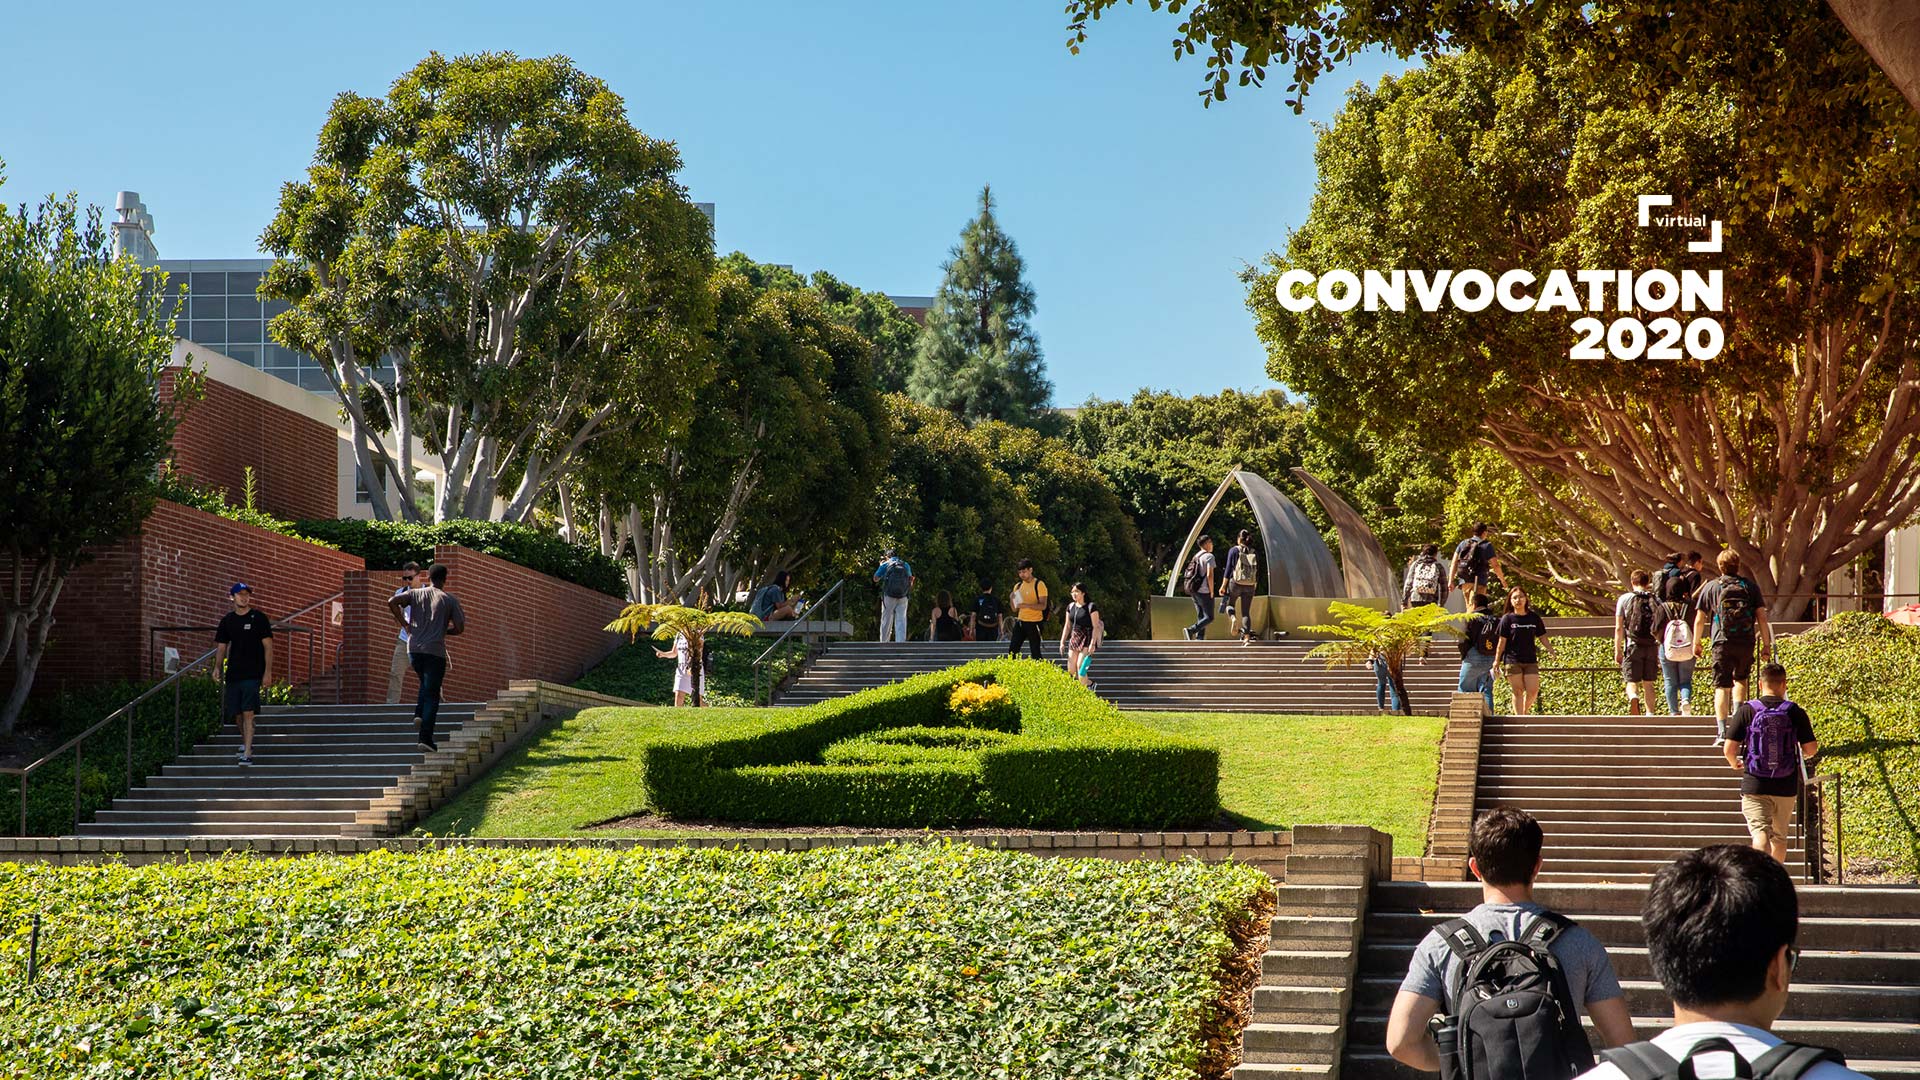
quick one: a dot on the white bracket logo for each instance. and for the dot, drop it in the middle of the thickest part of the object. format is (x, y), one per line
(1648, 202)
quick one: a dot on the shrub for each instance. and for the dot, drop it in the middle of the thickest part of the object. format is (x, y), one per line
(213, 500)
(913, 746)
(1074, 763)
(984, 705)
(387, 544)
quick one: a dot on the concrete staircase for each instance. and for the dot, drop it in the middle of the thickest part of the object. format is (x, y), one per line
(1857, 987)
(315, 769)
(1207, 676)
(1618, 796)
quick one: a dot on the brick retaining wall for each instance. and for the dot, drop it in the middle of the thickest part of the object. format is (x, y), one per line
(295, 458)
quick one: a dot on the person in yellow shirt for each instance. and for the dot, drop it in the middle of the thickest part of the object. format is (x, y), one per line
(1029, 602)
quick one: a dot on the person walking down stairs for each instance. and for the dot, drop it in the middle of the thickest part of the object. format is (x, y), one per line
(1029, 600)
(245, 637)
(1722, 927)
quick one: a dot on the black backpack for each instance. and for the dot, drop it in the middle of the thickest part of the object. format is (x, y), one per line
(1194, 581)
(1643, 617)
(1513, 1016)
(1788, 1061)
(1737, 605)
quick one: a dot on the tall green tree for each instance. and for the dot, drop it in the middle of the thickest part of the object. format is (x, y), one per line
(83, 343)
(524, 256)
(979, 357)
(893, 337)
(1797, 446)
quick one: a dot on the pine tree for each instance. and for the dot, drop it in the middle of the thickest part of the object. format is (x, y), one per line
(978, 357)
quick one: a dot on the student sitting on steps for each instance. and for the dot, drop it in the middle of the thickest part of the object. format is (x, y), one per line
(1721, 924)
(1508, 950)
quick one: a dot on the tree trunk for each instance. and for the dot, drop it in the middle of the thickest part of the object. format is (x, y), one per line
(1396, 677)
(1890, 32)
(32, 623)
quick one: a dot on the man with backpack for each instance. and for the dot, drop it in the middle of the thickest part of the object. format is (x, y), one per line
(895, 578)
(1425, 581)
(1721, 924)
(1242, 576)
(1638, 619)
(1498, 993)
(1030, 604)
(1473, 560)
(1769, 740)
(1199, 584)
(1479, 640)
(1739, 614)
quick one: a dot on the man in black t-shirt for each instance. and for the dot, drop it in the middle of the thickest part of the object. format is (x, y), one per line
(984, 619)
(245, 637)
(1738, 611)
(1767, 801)
(1474, 561)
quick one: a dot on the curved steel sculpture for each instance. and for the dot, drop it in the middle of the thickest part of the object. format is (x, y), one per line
(1368, 573)
(1298, 560)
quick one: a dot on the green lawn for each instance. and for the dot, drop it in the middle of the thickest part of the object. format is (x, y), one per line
(1275, 771)
(899, 960)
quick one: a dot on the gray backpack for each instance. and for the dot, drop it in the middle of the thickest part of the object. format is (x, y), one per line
(1788, 1061)
(895, 579)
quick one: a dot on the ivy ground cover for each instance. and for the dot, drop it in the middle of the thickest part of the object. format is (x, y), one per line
(887, 961)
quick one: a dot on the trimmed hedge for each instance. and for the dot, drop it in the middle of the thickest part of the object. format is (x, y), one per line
(1075, 762)
(388, 544)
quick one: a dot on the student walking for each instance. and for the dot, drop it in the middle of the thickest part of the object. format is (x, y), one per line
(1638, 619)
(1081, 632)
(685, 677)
(1721, 926)
(1474, 559)
(245, 638)
(1242, 575)
(1739, 614)
(1520, 631)
(1770, 741)
(1199, 583)
(1479, 641)
(1678, 651)
(1425, 581)
(945, 624)
(436, 616)
(1537, 973)
(1029, 599)
(983, 622)
(895, 578)
(396, 671)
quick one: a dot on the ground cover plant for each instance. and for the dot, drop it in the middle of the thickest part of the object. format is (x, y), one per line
(1858, 676)
(905, 960)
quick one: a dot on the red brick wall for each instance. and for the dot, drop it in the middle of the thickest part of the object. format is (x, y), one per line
(295, 458)
(521, 624)
(176, 573)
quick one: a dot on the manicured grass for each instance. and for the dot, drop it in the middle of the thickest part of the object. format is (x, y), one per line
(1281, 771)
(903, 960)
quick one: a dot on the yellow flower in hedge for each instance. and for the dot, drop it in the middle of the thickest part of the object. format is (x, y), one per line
(973, 699)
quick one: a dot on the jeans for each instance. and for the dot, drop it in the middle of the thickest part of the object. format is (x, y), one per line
(1678, 675)
(893, 616)
(1202, 603)
(432, 671)
(1476, 673)
(1025, 631)
(1383, 688)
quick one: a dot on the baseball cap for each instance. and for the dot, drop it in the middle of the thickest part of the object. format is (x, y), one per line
(239, 587)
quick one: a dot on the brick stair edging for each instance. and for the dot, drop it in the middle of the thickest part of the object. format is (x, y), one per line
(496, 730)
(1453, 797)
(1268, 851)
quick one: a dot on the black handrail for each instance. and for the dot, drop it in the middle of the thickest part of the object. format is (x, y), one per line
(1812, 823)
(759, 664)
(1588, 670)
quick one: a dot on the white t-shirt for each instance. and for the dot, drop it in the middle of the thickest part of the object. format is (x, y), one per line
(1750, 1042)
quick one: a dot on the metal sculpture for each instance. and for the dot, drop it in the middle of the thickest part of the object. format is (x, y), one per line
(1299, 562)
(1364, 561)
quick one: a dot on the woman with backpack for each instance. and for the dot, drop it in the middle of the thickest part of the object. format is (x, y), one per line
(1521, 631)
(1081, 632)
(1425, 581)
(945, 624)
(1242, 575)
(1679, 652)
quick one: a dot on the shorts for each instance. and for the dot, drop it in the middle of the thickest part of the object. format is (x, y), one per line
(1768, 817)
(242, 695)
(1514, 667)
(1732, 663)
(1642, 663)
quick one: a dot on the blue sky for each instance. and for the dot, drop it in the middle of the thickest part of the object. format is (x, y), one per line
(852, 137)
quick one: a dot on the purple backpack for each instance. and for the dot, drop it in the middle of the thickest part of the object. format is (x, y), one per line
(1772, 751)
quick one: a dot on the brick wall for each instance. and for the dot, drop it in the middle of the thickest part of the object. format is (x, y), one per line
(176, 573)
(295, 458)
(521, 624)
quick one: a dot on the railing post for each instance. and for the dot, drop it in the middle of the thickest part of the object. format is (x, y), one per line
(23, 802)
(129, 763)
(77, 747)
(176, 719)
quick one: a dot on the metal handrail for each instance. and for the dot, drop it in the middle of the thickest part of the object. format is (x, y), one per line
(1811, 822)
(1589, 670)
(285, 622)
(759, 663)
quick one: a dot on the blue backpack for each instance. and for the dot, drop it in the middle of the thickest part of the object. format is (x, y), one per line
(1772, 751)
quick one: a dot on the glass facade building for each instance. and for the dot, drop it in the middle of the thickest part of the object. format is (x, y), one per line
(224, 314)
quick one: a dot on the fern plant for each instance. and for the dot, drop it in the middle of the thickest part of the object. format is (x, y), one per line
(1365, 633)
(669, 621)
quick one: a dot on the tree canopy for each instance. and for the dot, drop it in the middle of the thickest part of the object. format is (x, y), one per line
(83, 343)
(891, 334)
(979, 357)
(525, 258)
(1795, 446)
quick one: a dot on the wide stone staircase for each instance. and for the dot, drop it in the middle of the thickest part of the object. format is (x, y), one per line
(1209, 676)
(315, 769)
(1856, 989)
(1618, 796)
